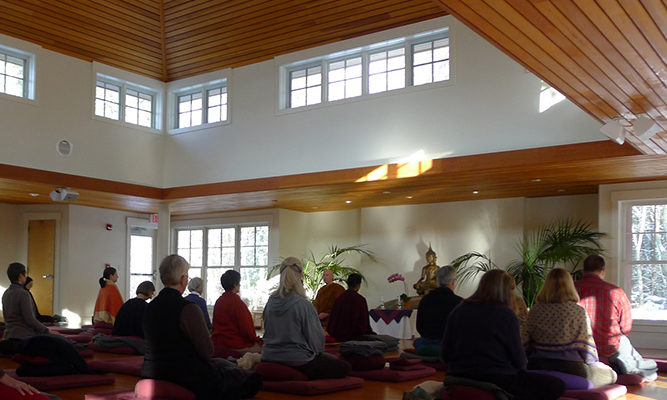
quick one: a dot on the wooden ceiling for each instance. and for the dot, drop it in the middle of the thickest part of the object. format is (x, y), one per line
(609, 57)
(551, 171)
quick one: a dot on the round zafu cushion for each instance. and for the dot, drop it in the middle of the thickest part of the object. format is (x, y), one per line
(572, 382)
(163, 390)
(271, 371)
(7, 393)
(629, 379)
(372, 362)
(25, 359)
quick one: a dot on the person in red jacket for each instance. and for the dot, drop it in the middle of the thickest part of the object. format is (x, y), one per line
(233, 327)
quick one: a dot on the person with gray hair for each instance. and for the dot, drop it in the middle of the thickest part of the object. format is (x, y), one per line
(434, 308)
(196, 288)
(292, 331)
(179, 347)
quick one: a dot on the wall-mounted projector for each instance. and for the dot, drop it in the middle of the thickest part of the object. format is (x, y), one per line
(62, 194)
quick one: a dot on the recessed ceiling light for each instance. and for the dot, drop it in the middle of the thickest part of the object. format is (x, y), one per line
(34, 194)
(536, 180)
(314, 208)
(348, 201)
(386, 192)
(475, 192)
(560, 190)
(408, 197)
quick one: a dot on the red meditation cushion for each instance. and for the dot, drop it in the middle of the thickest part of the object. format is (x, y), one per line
(629, 379)
(46, 383)
(314, 387)
(608, 392)
(25, 359)
(392, 375)
(162, 390)
(7, 393)
(115, 350)
(127, 366)
(372, 362)
(271, 371)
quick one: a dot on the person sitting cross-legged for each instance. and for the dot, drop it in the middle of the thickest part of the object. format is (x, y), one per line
(326, 296)
(292, 332)
(130, 316)
(233, 327)
(178, 345)
(558, 333)
(349, 316)
(434, 308)
(610, 313)
(196, 288)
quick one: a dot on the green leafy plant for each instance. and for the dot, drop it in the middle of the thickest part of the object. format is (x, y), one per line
(563, 243)
(333, 260)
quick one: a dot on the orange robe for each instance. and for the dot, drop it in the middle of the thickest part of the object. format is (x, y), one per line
(326, 297)
(109, 301)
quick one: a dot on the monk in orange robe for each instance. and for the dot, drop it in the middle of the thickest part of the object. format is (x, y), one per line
(109, 301)
(327, 295)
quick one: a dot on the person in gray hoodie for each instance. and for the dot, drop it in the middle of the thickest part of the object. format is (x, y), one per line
(293, 335)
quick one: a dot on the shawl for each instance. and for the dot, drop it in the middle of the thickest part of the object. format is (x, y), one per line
(326, 297)
(560, 328)
(109, 301)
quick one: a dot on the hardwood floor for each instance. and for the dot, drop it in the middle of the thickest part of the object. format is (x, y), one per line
(371, 390)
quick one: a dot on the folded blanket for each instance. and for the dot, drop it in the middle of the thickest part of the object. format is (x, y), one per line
(390, 341)
(362, 348)
(120, 341)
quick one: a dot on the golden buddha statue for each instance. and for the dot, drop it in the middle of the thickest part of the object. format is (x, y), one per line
(428, 280)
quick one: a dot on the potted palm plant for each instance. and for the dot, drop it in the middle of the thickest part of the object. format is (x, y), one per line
(563, 243)
(334, 260)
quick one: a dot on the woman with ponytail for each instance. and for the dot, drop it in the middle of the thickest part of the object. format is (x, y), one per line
(109, 300)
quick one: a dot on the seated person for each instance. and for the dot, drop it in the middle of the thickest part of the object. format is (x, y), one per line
(17, 307)
(109, 300)
(131, 314)
(610, 315)
(434, 308)
(46, 319)
(233, 327)
(557, 332)
(349, 316)
(292, 332)
(178, 345)
(327, 295)
(482, 342)
(196, 288)
(21, 387)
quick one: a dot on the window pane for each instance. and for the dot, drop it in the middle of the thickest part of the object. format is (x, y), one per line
(184, 104)
(377, 66)
(377, 83)
(228, 236)
(247, 236)
(649, 291)
(262, 255)
(14, 86)
(353, 87)
(214, 237)
(112, 93)
(14, 67)
(661, 217)
(396, 80)
(262, 235)
(255, 288)
(314, 95)
(131, 99)
(145, 119)
(197, 239)
(247, 256)
(196, 257)
(298, 98)
(423, 57)
(214, 256)
(194, 273)
(422, 75)
(111, 110)
(196, 117)
(441, 71)
(135, 280)
(314, 80)
(643, 218)
(185, 253)
(213, 286)
(336, 91)
(145, 102)
(227, 256)
(131, 115)
(184, 121)
(299, 83)
(141, 255)
(99, 107)
(441, 54)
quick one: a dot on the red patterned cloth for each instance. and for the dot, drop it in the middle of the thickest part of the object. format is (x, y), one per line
(609, 310)
(387, 315)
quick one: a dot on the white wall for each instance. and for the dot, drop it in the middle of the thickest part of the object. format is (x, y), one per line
(541, 211)
(9, 227)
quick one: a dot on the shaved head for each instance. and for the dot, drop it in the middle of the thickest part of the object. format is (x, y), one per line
(327, 276)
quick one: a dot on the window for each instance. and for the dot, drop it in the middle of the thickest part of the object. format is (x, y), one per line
(204, 105)
(141, 258)
(646, 255)
(123, 101)
(212, 251)
(14, 71)
(419, 60)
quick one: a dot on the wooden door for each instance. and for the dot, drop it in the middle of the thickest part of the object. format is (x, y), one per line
(41, 259)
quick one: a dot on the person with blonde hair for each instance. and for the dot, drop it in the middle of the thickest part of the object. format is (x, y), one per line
(292, 332)
(558, 333)
(178, 345)
(482, 343)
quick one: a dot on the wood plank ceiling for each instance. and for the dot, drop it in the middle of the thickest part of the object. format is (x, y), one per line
(609, 57)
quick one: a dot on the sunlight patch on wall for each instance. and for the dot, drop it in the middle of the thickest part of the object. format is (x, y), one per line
(414, 165)
(73, 319)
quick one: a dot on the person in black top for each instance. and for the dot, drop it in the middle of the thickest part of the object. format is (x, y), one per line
(179, 347)
(434, 308)
(482, 342)
(131, 314)
(45, 319)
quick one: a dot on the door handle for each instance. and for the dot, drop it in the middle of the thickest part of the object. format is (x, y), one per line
(49, 276)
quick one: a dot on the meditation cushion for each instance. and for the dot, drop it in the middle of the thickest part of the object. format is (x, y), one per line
(26, 359)
(114, 350)
(83, 337)
(392, 375)
(162, 390)
(314, 387)
(7, 393)
(271, 371)
(629, 379)
(466, 393)
(609, 392)
(127, 366)
(372, 362)
(572, 382)
(102, 327)
(117, 395)
(65, 331)
(662, 364)
(46, 383)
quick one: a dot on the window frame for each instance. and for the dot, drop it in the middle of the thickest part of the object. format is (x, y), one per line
(156, 106)
(222, 223)
(625, 242)
(203, 89)
(407, 43)
(28, 73)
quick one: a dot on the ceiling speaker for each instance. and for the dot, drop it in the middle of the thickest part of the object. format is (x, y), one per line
(64, 147)
(614, 131)
(645, 128)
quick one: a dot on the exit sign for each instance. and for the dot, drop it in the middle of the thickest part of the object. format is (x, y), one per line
(154, 218)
